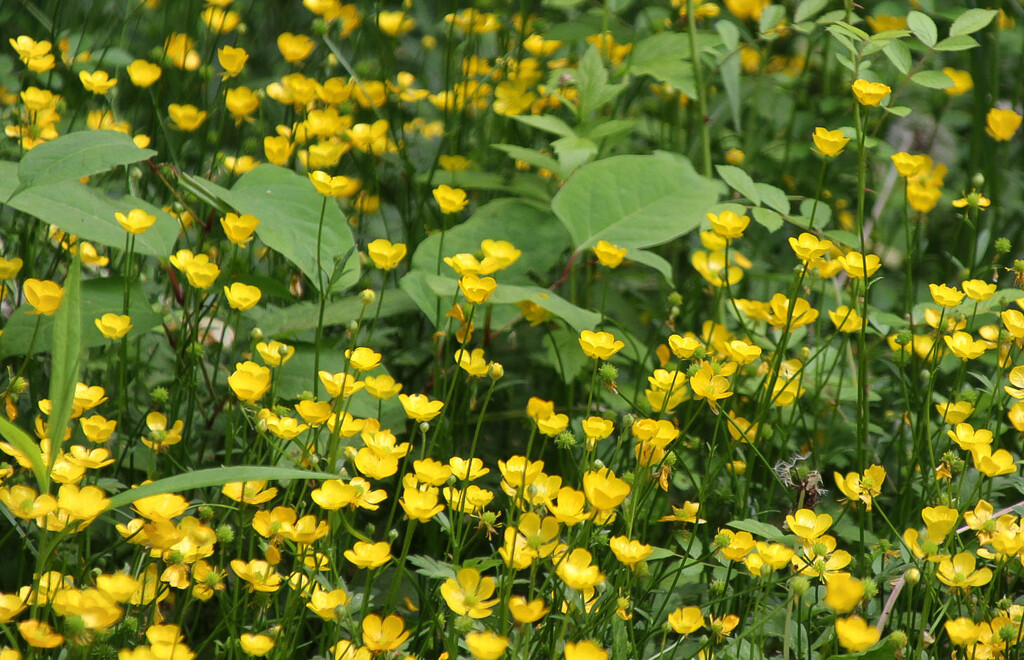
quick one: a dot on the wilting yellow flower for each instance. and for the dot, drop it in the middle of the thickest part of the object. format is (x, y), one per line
(114, 326)
(829, 143)
(1002, 123)
(870, 93)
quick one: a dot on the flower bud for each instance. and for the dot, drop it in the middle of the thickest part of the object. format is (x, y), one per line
(367, 296)
(256, 334)
(225, 534)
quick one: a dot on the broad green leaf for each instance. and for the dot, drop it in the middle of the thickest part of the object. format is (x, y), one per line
(773, 197)
(525, 185)
(88, 213)
(958, 42)
(739, 181)
(758, 528)
(652, 260)
(923, 28)
(27, 446)
(288, 208)
(78, 154)
(67, 355)
(730, 69)
(187, 481)
(899, 54)
(562, 352)
(573, 152)
(634, 201)
(609, 128)
(822, 213)
(528, 225)
(546, 123)
(767, 218)
(808, 9)
(971, 21)
(280, 323)
(665, 57)
(932, 79)
(99, 296)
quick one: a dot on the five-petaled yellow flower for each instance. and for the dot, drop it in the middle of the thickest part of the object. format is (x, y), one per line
(600, 345)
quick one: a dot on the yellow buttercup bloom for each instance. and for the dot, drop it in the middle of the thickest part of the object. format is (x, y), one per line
(600, 345)
(369, 555)
(143, 73)
(1002, 123)
(250, 381)
(860, 266)
(294, 47)
(187, 117)
(232, 60)
(97, 82)
(855, 634)
(608, 254)
(9, 268)
(729, 224)
(962, 81)
(114, 326)
(239, 228)
(477, 289)
(870, 93)
(136, 221)
(43, 295)
(451, 200)
(908, 165)
(829, 143)
(385, 254)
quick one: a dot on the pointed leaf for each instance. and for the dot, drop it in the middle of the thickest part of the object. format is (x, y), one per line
(27, 446)
(923, 28)
(739, 181)
(67, 356)
(767, 218)
(971, 21)
(78, 154)
(773, 197)
(932, 79)
(665, 57)
(187, 481)
(546, 123)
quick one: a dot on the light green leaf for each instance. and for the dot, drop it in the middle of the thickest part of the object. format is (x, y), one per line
(932, 79)
(281, 323)
(531, 156)
(652, 260)
(971, 21)
(772, 15)
(730, 69)
(573, 152)
(67, 355)
(665, 57)
(609, 128)
(546, 123)
(898, 110)
(634, 201)
(528, 225)
(739, 181)
(187, 481)
(27, 446)
(78, 154)
(768, 218)
(958, 42)
(773, 197)
(88, 213)
(899, 54)
(808, 9)
(592, 83)
(758, 528)
(288, 208)
(923, 28)
(99, 296)
(525, 185)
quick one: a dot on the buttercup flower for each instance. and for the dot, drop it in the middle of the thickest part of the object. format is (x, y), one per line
(186, 117)
(294, 47)
(384, 635)
(729, 224)
(870, 93)
(249, 381)
(43, 295)
(136, 221)
(385, 254)
(600, 345)
(855, 634)
(242, 296)
(232, 60)
(451, 200)
(829, 143)
(114, 326)
(143, 73)
(477, 289)
(608, 254)
(1001, 124)
(239, 228)
(97, 82)
(419, 407)
(467, 594)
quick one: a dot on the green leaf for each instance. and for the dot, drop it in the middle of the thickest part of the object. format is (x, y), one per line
(634, 201)
(768, 219)
(592, 83)
(932, 79)
(773, 197)
(67, 355)
(899, 54)
(609, 128)
(187, 481)
(883, 650)
(770, 18)
(652, 260)
(78, 154)
(288, 208)
(88, 213)
(959, 42)
(546, 123)
(808, 9)
(280, 323)
(99, 296)
(531, 156)
(529, 226)
(573, 152)
(739, 181)
(665, 57)
(923, 28)
(525, 185)
(822, 213)
(758, 528)
(971, 21)
(27, 446)
(431, 568)
(898, 110)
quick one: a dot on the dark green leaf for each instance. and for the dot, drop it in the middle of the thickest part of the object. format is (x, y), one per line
(899, 54)
(78, 154)
(67, 354)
